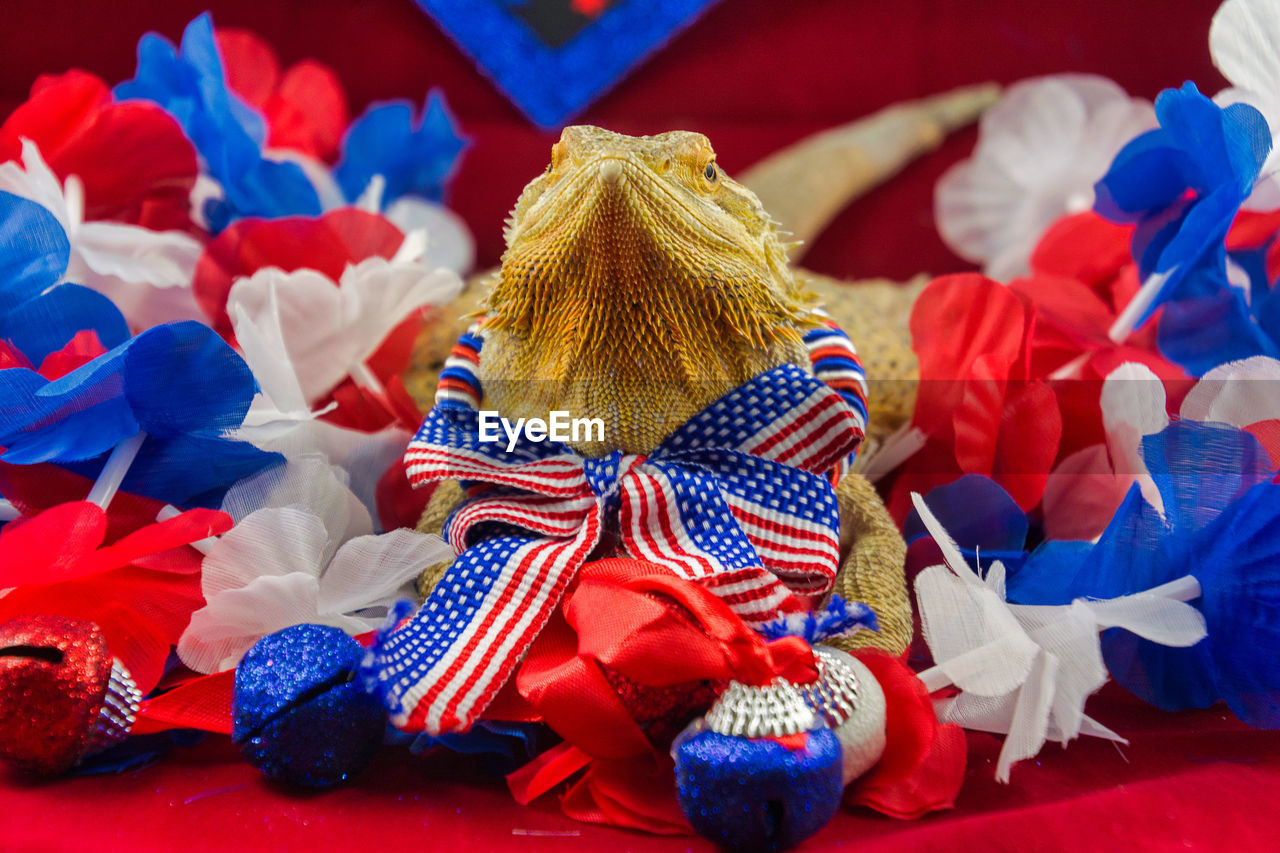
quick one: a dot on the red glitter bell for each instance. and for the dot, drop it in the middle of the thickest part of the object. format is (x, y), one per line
(62, 696)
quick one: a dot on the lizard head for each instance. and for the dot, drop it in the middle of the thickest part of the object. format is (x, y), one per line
(631, 235)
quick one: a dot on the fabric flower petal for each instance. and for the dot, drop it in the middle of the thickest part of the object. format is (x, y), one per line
(368, 571)
(34, 250)
(47, 323)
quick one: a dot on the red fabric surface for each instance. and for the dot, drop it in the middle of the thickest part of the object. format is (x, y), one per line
(1196, 779)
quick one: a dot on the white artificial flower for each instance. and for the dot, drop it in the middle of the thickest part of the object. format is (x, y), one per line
(1239, 393)
(1040, 150)
(1026, 670)
(1244, 40)
(1084, 491)
(450, 245)
(147, 274)
(269, 572)
(302, 550)
(280, 418)
(327, 330)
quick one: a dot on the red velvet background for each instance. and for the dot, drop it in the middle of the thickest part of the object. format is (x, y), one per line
(753, 75)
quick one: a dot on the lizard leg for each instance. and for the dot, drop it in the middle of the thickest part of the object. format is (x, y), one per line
(442, 502)
(873, 567)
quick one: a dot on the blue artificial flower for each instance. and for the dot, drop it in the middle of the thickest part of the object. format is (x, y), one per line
(985, 522)
(35, 316)
(1182, 185)
(190, 83)
(1210, 478)
(46, 324)
(413, 159)
(34, 250)
(179, 383)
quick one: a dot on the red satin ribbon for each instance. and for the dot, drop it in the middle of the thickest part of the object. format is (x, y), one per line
(632, 622)
(201, 703)
(631, 619)
(638, 621)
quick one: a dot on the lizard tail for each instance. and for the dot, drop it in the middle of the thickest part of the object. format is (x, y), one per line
(806, 184)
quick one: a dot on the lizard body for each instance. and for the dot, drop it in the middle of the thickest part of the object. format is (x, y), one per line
(641, 283)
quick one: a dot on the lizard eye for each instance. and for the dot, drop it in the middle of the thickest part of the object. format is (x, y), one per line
(710, 173)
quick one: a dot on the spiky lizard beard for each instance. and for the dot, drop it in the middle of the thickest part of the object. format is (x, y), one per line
(624, 298)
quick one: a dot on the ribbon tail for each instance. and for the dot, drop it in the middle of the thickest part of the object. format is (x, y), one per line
(439, 672)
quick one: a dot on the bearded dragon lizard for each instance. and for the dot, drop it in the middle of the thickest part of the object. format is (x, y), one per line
(641, 283)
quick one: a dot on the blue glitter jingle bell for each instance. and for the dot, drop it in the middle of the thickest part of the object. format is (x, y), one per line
(300, 713)
(763, 774)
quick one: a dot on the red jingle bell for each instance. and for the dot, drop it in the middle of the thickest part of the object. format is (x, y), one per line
(62, 696)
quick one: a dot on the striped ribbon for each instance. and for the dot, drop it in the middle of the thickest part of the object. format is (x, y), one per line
(735, 499)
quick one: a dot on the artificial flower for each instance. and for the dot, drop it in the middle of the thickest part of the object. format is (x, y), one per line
(121, 568)
(175, 388)
(304, 106)
(146, 273)
(1182, 185)
(411, 157)
(1214, 486)
(34, 250)
(190, 83)
(450, 245)
(330, 328)
(978, 402)
(327, 244)
(56, 330)
(132, 159)
(1026, 671)
(1245, 394)
(1087, 487)
(301, 517)
(979, 516)
(1040, 150)
(313, 561)
(1242, 41)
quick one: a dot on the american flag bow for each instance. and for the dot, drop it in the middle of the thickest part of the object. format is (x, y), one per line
(734, 499)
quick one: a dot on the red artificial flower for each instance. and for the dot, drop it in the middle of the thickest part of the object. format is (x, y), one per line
(1089, 249)
(1011, 376)
(1253, 230)
(136, 164)
(979, 404)
(305, 106)
(83, 348)
(325, 243)
(77, 352)
(923, 763)
(131, 575)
